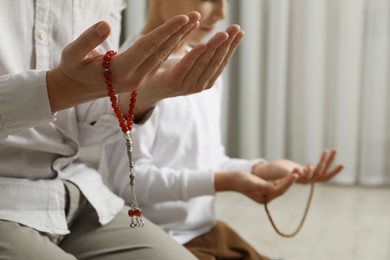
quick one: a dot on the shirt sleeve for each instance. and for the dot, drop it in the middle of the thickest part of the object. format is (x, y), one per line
(154, 183)
(236, 164)
(229, 164)
(24, 102)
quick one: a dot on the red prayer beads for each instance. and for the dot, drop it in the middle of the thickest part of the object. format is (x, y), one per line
(135, 212)
(124, 125)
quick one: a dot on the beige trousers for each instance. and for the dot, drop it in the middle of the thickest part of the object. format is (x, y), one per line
(88, 239)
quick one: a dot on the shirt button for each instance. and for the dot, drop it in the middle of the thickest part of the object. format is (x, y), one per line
(42, 35)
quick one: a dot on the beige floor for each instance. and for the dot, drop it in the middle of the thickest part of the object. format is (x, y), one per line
(344, 223)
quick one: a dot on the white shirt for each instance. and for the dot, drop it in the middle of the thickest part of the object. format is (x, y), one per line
(176, 153)
(38, 149)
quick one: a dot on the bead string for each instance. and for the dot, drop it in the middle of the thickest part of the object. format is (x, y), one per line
(302, 220)
(135, 212)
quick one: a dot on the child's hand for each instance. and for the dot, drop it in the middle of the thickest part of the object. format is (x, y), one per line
(266, 192)
(278, 169)
(252, 186)
(322, 171)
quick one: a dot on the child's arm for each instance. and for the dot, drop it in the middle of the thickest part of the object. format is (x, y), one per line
(321, 172)
(273, 179)
(252, 186)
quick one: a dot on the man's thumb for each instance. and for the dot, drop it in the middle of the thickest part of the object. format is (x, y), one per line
(87, 42)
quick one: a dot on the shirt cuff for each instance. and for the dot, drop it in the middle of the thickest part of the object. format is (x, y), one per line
(24, 102)
(248, 165)
(239, 164)
(145, 117)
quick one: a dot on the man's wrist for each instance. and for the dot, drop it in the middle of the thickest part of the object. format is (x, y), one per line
(64, 92)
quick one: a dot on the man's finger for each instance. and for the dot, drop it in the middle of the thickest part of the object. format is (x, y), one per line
(184, 65)
(219, 56)
(155, 60)
(171, 31)
(232, 49)
(86, 42)
(201, 64)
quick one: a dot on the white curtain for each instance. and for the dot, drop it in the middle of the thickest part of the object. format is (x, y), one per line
(134, 17)
(313, 74)
(309, 75)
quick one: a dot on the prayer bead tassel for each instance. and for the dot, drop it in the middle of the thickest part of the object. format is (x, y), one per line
(135, 213)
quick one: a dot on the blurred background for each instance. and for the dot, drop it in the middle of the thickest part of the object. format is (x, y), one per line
(309, 75)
